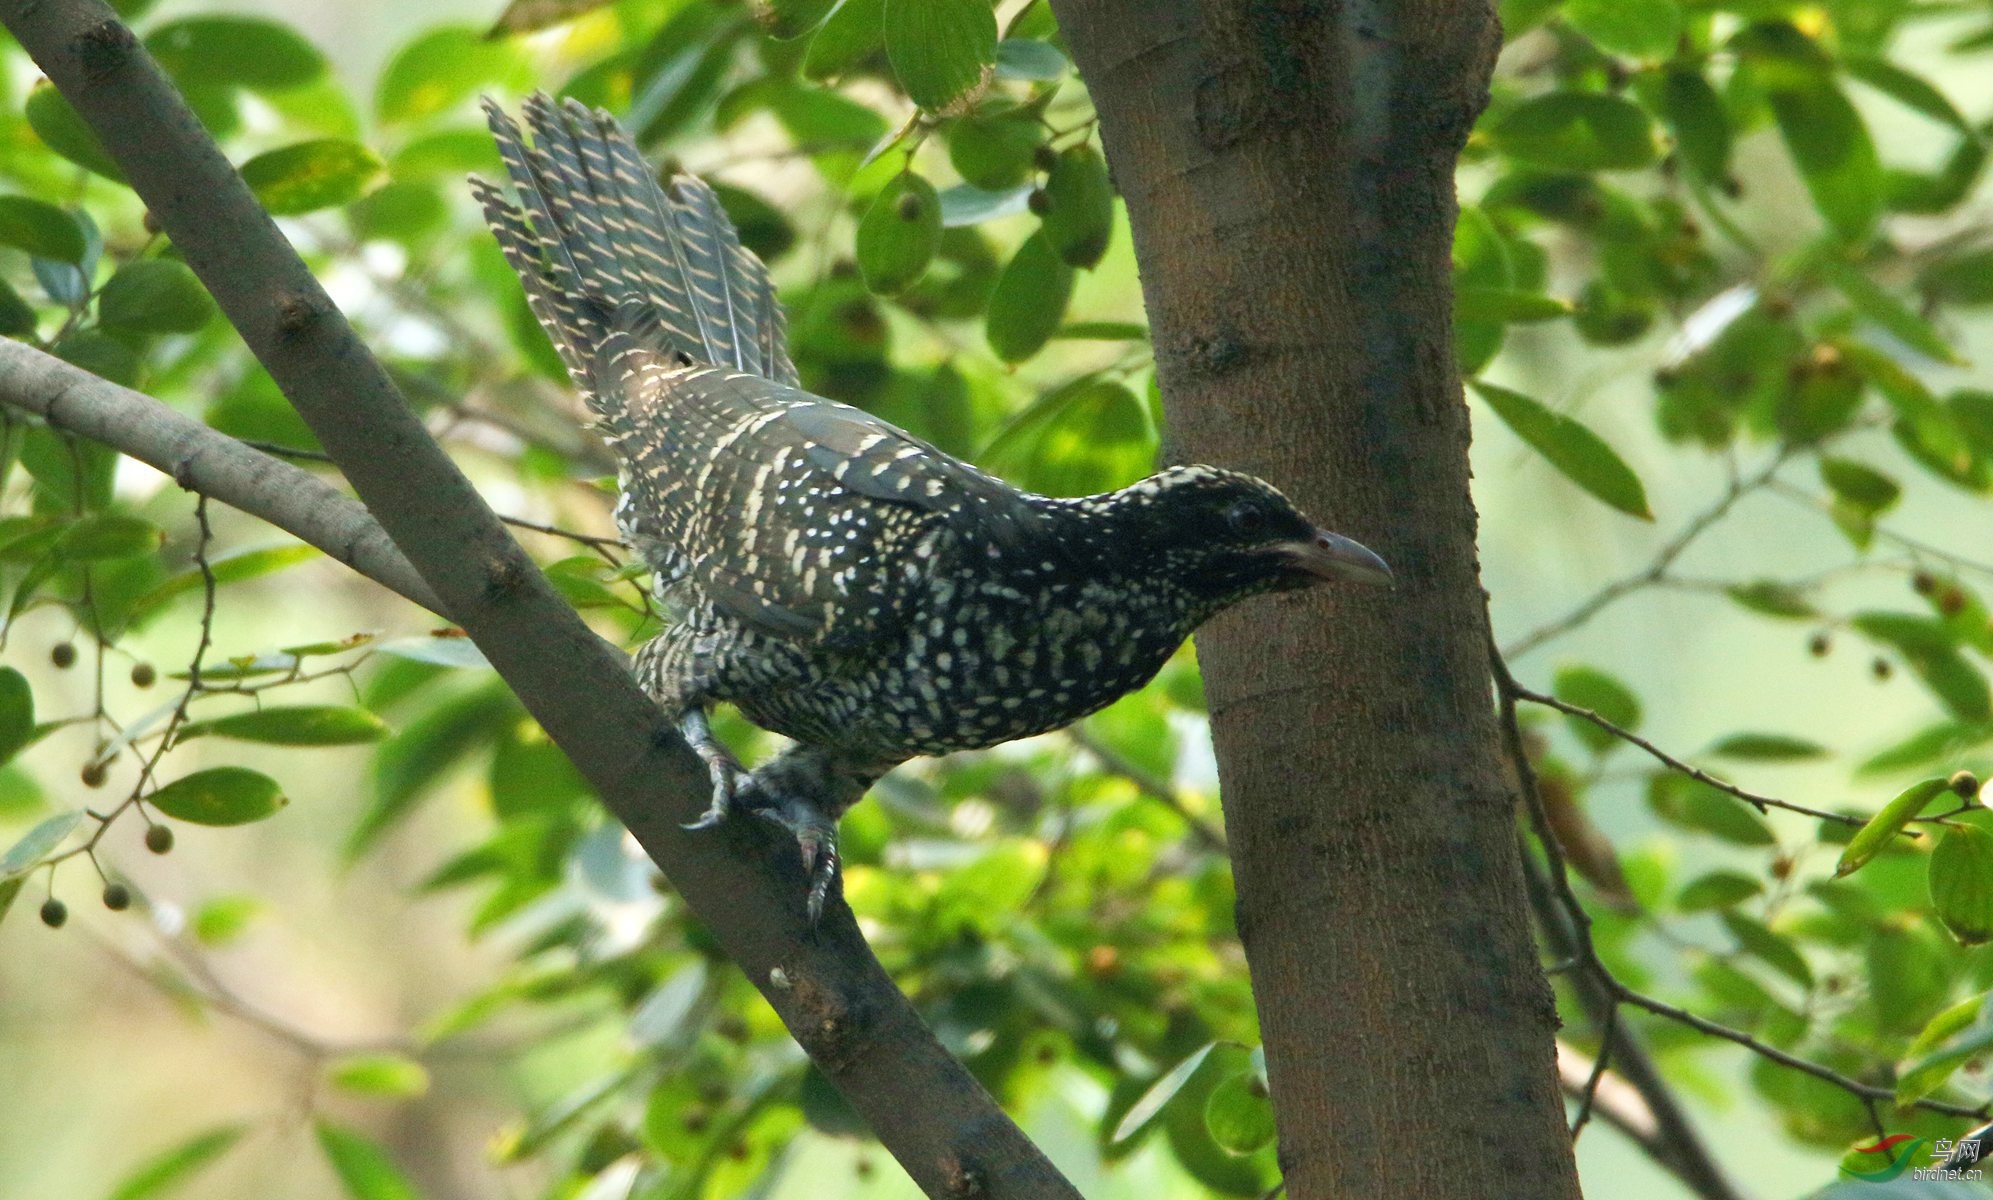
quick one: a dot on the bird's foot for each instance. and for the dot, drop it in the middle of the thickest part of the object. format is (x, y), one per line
(816, 838)
(726, 785)
(720, 765)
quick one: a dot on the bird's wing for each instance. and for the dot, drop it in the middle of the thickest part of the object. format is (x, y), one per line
(800, 516)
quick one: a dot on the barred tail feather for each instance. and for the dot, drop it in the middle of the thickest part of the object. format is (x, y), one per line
(601, 247)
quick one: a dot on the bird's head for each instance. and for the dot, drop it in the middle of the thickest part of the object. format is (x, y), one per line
(1226, 535)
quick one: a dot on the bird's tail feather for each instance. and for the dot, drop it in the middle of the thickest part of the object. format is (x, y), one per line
(600, 247)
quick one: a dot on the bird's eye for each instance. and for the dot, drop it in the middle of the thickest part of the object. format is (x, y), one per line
(1245, 519)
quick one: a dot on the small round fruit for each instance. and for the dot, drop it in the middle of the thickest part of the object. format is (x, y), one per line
(1965, 784)
(1881, 669)
(908, 207)
(1818, 645)
(94, 773)
(117, 897)
(1038, 202)
(54, 913)
(158, 839)
(144, 675)
(63, 655)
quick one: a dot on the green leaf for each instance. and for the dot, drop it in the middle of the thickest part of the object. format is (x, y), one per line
(1860, 485)
(1718, 889)
(1077, 212)
(966, 204)
(1640, 28)
(441, 69)
(1693, 804)
(1945, 1044)
(1831, 146)
(1769, 948)
(108, 535)
(1887, 311)
(41, 229)
(10, 887)
(1930, 648)
(299, 725)
(63, 130)
(1580, 454)
(1505, 305)
(1910, 90)
(308, 176)
(1030, 60)
(995, 151)
(1576, 131)
(220, 796)
(1962, 883)
(37, 842)
(232, 568)
(17, 713)
(943, 51)
(1772, 599)
(785, 19)
(1889, 821)
(1029, 302)
(1695, 115)
(392, 1076)
(1238, 1114)
(1160, 1093)
(898, 235)
(1768, 747)
(1589, 687)
(1090, 436)
(244, 52)
(426, 748)
(168, 1170)
(223, 920)
(155, 295)
(362, 1166)
(854, 31)
(1964, 279)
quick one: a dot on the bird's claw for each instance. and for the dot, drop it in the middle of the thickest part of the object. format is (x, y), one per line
(816, 840)
(724, 790)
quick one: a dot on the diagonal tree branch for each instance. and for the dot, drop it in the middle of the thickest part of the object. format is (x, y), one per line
(829, 990)
(211, 463)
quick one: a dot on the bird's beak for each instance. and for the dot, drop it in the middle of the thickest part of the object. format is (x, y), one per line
(1331, 557)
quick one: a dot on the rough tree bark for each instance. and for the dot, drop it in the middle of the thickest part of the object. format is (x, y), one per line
(1288, 167)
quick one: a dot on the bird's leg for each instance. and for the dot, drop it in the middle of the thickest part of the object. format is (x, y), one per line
(816, 837)
(719, 762)
(805, 790)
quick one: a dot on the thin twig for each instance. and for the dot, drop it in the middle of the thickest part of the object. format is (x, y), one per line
(1590, 1092)
(1760, 802)
(1656, 570)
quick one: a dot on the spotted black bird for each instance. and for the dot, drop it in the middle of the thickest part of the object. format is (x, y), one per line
(834, 577)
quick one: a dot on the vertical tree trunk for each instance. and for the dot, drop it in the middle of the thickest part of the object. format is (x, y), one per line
(1288, 167)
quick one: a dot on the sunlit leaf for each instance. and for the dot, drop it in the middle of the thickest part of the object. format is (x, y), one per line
(63, 130)
(1887, 311)
(1581, 455)
(363, 1167)
(1962, 883)
(36, 843)
(41, 229)
(220, 796)
(899, 234)
(389, 1076)
(1239, 1115)
(167, 1171)
(1077, 209)
(1768, 747)
(1641, 28)
(155, 295)
(296, 725)
(943, 51)
(1029, 302)
(245, 52)
(439, 70)
(308, 176)
(1578, 131)
(17, 713)
(1888, 821)
(1160, 1093)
